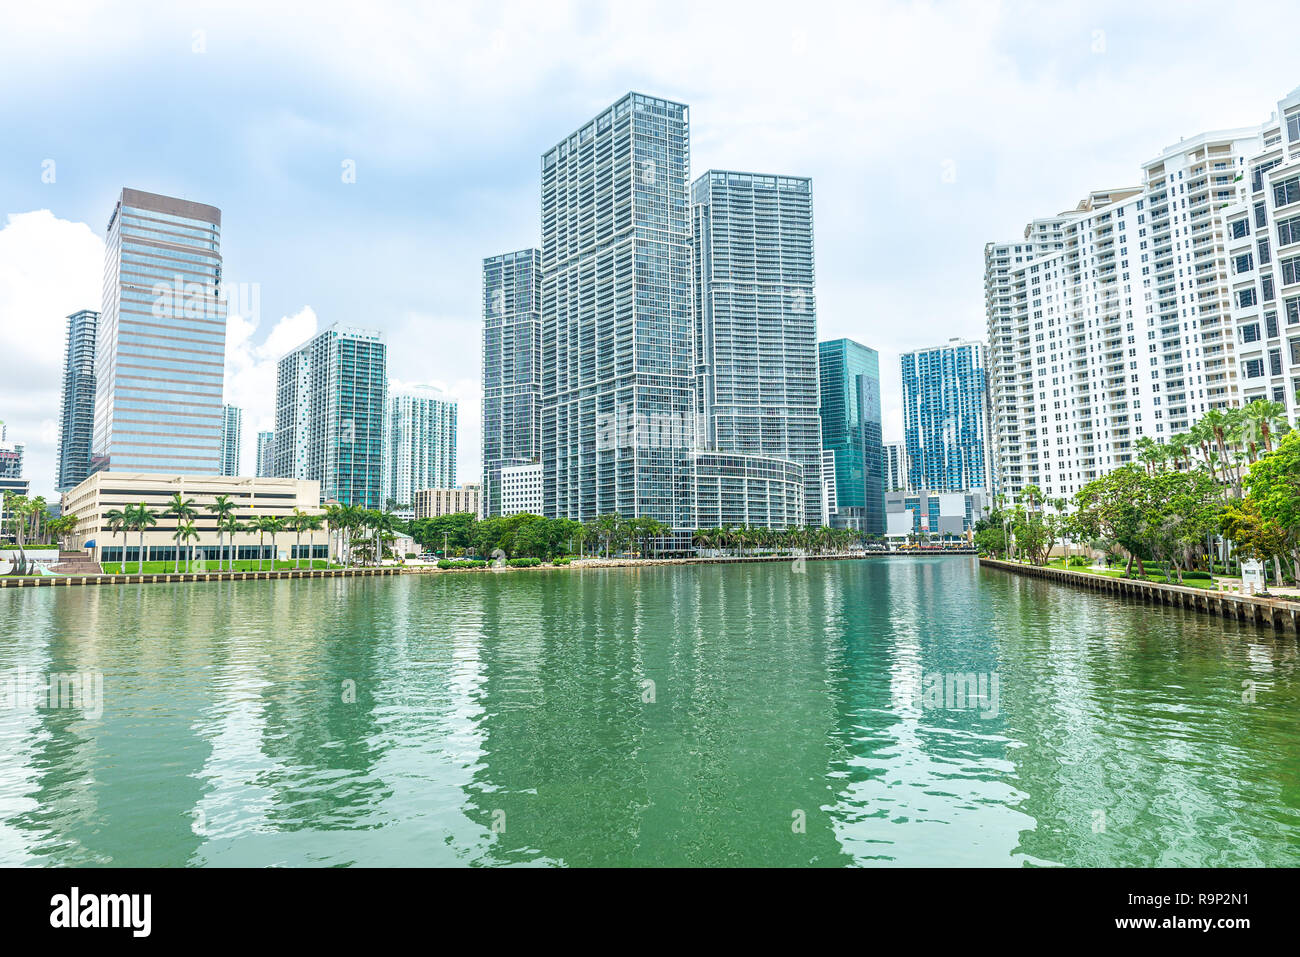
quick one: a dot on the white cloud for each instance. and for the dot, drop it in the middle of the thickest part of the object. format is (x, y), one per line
(49, 268)
(251, 371)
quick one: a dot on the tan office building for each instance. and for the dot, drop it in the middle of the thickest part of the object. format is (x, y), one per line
(431, 502)
(103, 492)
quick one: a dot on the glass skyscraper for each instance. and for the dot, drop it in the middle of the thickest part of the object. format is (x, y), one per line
(617, 425)
(330, 400)
(756, 323)
(231, 433)
(77, 411)
(946, 418)
(160, 355)
(266, 454)
(419, 445)
(850, 413)
(512, 373)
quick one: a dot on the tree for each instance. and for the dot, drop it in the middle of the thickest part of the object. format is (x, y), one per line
(185, 532)
(115, 519)
(141, 517)
(1115, 506)
(223, 508)
(273, 525)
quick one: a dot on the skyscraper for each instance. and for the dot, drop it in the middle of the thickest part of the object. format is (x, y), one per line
(1263, 239)
(946, 418)
(512, 374)
(896, 470)
(850, 413)
(11, 456)
(756, 326)
(1111, 321)
(160, 354)
(617, 391)
(419, 444)
(266, 454)
(77, 409)
(231, 433)
(330, 400)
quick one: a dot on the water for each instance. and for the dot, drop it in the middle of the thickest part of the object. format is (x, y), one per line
(507, 719)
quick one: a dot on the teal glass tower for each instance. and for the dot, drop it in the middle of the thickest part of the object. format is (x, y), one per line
(946, 418)
(850, 414)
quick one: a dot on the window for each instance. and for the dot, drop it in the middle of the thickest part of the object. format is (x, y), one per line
(1292, 308)
(1250, 333)
(1293, 127)
(1266, 284)
(1245, 297)
(1274, 361)
(1243, 263)
(1239, 228)
(1288, 231)
(1261, 215)
(1270, 324)
(1290, 270)
(1253, 368)
(1264, 257)
(1287, 191)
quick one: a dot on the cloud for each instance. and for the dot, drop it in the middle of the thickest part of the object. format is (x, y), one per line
(251, 371)
(49, 268)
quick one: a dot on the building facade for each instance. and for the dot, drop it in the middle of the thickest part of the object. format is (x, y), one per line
(419, 444)
(432, 502)
(521, 490)
(617, 424)
(1262, 232)
(11, 456)
(946, 418)
(77, 406)
(896, 469)
(103, 492)
(934, 516)
(851, 431)
(512, 374)
(265, 454)
(330, 405)
(1113, 321)
(756, 330)
(161, 338)
(232, 433)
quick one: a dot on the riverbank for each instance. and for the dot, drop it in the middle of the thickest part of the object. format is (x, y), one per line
(1275, 613)
(150, 578)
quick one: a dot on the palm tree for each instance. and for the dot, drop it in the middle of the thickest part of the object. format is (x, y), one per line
(185, 532)
(311, 524)
(274, 525)
(297, 523)
(222, 507)
(260, 525)
(1266, 419)
(115, 519)
(140, 517)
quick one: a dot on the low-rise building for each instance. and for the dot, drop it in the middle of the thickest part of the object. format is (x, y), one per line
(521, 489)
(432, 502)
(101, 493)
(946, 516)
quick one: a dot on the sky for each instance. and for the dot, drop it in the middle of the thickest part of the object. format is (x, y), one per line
(928, 129)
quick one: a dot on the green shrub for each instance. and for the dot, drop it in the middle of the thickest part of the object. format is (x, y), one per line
(461, 563)
(1078, 561)
(561, 561)
(524, 562)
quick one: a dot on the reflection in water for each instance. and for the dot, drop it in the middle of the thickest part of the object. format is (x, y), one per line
(658, 716)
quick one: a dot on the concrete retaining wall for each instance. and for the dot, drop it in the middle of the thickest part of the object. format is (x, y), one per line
(1275, 613)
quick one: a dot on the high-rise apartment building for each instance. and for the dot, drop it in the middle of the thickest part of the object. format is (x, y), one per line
(946, 418)
(77, 408)
(419, 444)
(512, 373)
(1112, 321)
(232, 431)
(330, 403)
(850, 414)
(161, 338)
(266, 454)
(756, 343)
(11, 456)
(897, 474)
(617, 424)
(1262, 232)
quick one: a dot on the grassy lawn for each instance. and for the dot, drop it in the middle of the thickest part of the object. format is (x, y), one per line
(159, 568)
(1118, 572)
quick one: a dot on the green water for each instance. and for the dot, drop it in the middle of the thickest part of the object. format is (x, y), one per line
(508, 719)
